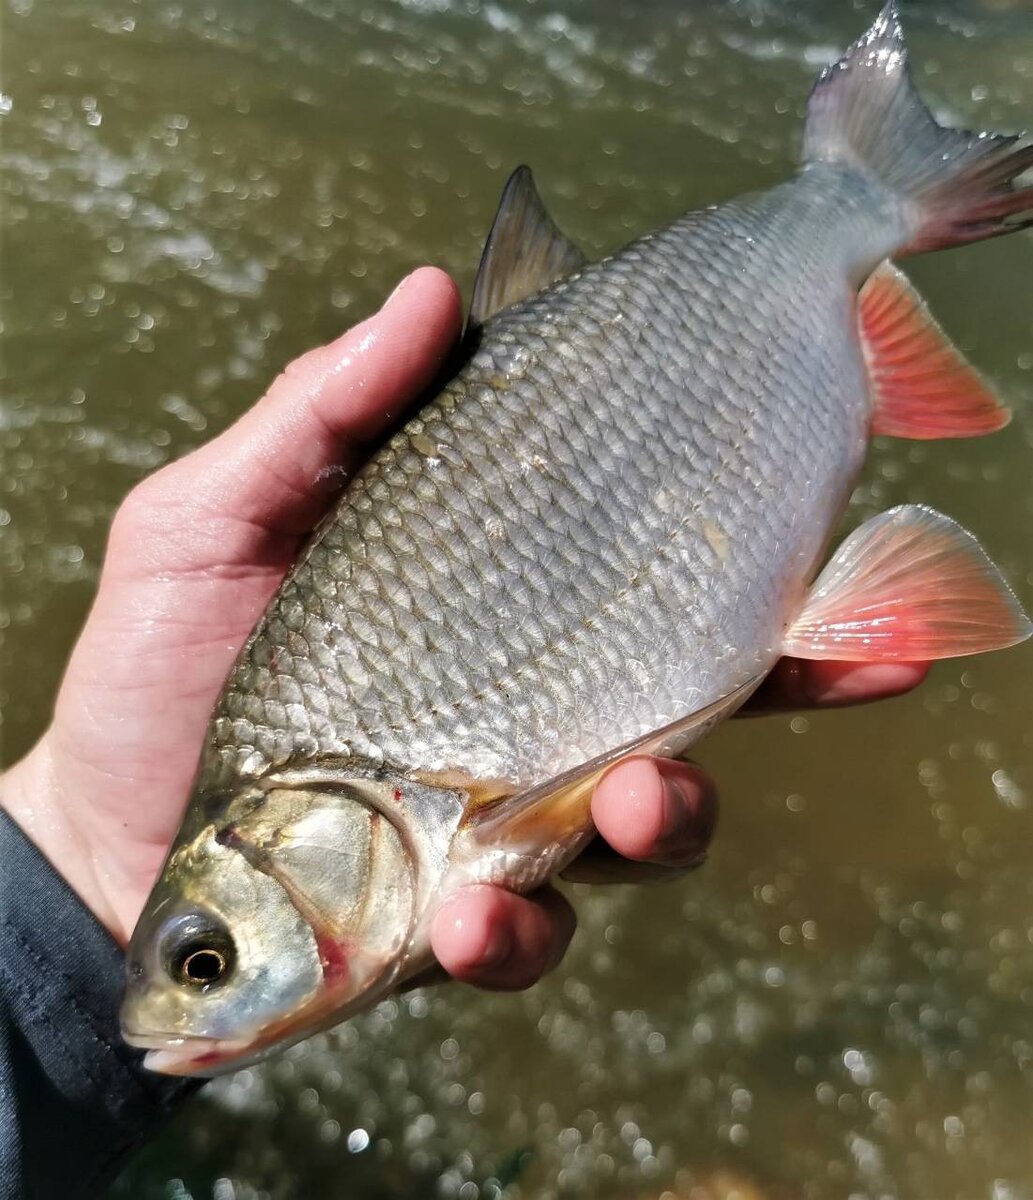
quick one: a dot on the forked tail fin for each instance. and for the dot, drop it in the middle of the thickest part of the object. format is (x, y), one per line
(958, 186)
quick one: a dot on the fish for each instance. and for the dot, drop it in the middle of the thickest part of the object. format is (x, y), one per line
(596, 539)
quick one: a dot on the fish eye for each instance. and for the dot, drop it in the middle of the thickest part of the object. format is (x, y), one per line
(198, 951)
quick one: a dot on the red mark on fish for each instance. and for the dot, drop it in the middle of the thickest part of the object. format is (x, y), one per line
(333, 958)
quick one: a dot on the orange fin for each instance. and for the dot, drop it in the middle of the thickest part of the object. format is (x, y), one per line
(909, 585)
(923, 387)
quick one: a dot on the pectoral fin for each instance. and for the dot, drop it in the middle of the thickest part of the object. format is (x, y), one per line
(558, 812)
(524, 253)
(908, 585)
(922, 386)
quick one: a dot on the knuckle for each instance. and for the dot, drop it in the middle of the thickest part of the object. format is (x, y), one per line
(136, 508)
(151, 514)
(297, 382)
(148, 499)
(300, 370)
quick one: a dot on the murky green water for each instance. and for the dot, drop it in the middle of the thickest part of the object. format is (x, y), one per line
(841, 1002)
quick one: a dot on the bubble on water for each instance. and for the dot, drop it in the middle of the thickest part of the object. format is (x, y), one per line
(1008, 791)
(358, 1140)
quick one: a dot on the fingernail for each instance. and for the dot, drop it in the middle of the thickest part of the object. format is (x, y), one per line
(496, 948)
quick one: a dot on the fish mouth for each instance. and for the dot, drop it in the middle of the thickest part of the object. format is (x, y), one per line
(186, 1054)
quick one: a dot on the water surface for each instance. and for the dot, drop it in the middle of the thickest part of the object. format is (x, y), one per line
(840, 1003)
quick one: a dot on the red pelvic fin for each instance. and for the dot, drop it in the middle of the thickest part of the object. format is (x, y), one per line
(909, 585)
(923, 387)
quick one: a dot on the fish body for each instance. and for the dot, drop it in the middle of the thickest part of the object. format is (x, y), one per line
(603, 522)
(597, 538)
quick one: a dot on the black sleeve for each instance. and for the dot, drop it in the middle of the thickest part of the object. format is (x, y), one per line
(74, 1100)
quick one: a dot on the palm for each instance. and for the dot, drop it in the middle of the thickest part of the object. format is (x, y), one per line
(140, 687)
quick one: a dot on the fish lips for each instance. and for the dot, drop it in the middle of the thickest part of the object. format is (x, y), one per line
(179, 1054)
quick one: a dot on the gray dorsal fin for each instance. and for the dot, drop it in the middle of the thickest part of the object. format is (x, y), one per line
(524, 253)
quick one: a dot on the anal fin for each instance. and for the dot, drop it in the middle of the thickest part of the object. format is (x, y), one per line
(923, 386)
(908, 585)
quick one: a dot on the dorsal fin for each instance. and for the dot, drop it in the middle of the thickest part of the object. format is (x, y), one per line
(524, 253)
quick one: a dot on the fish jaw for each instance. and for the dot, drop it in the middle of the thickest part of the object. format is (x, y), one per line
(193, 1063)
(189, 1055)
(204, 1057)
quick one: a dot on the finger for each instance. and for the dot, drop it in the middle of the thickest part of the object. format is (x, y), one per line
(275, 466)
(656, 810)
(798, 683)
(495, 939)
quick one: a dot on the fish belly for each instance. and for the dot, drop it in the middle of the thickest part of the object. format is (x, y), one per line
(603, 523)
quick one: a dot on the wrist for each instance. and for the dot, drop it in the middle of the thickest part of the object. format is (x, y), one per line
(34, 795)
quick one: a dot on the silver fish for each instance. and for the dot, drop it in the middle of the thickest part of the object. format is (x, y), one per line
(597, 538)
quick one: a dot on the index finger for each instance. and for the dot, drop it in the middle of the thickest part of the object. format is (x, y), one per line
(274, 467)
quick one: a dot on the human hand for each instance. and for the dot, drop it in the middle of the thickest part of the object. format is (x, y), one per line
(195, 553)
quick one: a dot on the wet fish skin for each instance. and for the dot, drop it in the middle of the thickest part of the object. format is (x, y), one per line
(600, 524)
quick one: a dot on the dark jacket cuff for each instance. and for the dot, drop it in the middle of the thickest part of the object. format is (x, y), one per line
(74, 1099)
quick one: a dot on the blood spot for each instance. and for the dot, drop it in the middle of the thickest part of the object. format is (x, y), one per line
(333, 958)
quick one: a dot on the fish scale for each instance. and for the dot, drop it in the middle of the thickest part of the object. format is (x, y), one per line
(574, 543)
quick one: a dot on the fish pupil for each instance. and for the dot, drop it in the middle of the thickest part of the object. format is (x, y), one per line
(203, 966)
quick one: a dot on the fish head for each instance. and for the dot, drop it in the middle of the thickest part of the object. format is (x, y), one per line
(286, 915)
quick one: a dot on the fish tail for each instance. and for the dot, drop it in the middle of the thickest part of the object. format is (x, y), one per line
(953, 186)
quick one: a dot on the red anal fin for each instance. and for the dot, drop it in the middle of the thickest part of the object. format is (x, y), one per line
(909, 585)
(923, 387)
